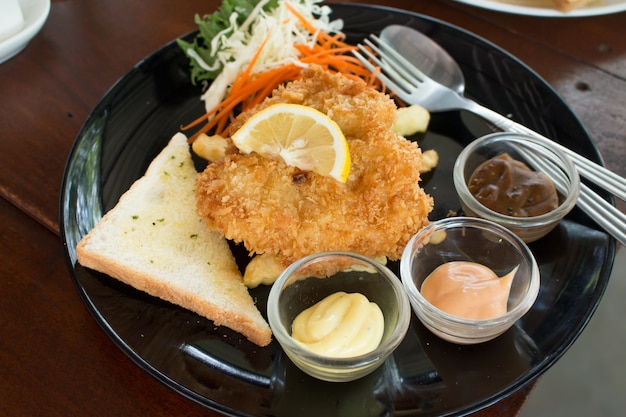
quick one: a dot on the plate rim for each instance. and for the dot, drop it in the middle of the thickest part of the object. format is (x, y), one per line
(33, 23)
(519, 383)
(546, 12)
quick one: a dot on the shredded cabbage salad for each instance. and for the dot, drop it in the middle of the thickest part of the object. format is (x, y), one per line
(229, 39)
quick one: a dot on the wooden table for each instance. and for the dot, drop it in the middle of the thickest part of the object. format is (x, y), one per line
(54, 358)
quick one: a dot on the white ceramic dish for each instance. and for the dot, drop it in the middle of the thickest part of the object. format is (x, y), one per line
(35, 15)
(608, 7)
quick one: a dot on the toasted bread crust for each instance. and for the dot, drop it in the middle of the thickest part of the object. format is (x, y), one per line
(175, 258)
(241, 323)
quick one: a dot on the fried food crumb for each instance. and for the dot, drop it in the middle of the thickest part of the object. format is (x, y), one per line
(279, 210)
(411, 120)
(430, 159)
(262, 269)
(210, 148)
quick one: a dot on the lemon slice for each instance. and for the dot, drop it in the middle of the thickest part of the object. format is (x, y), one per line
(303, 137)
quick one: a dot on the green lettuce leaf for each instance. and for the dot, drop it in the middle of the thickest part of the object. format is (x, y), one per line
(210, 25)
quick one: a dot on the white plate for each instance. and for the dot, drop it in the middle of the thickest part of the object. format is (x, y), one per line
(543, 8)
(35, 14)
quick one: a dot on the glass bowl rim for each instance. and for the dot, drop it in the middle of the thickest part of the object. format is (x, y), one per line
(567, 166)
(385, 348)
(457, 222)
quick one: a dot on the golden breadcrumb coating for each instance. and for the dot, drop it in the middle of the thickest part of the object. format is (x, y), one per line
(281, 210)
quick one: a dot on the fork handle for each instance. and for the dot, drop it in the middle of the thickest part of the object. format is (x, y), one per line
(596, 173)
(604, 214)
(598, 209)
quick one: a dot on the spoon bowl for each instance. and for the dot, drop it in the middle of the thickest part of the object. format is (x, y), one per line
(429, 76)
(426, 54)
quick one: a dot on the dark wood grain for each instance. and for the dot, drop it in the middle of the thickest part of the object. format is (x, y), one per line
(54, 359)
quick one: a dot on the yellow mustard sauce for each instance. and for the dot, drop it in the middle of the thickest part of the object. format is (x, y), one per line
(341, 325)
(468, 289)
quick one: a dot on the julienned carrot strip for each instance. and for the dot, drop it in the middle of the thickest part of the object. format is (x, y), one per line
(307, 25)
(272, 80)
(234, 96)
(249, 89)
(327, 52)
(264, 84)
(218, 112)
(323, 37)
(242, 78)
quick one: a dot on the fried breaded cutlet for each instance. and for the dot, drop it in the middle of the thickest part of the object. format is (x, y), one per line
(281, 210)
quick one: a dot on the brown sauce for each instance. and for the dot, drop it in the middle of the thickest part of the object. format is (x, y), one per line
(509, 187)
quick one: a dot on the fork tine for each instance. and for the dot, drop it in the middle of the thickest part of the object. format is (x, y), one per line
(388, 70)
(380, 75)
(391, 60)
(397, 73)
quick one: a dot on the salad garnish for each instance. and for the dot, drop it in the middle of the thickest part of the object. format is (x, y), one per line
(246, 50)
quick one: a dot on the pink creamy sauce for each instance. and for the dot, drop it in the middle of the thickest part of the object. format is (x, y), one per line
(469, 290)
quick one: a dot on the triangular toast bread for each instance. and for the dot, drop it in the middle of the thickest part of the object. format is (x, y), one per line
(155, 241)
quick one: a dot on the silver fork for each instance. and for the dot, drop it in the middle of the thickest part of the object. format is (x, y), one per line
(607, 216)
(414, 87)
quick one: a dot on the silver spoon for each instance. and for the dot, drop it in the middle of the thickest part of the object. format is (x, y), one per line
(436, 63)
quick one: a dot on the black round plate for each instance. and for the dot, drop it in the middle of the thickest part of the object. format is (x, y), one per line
(426, 376)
